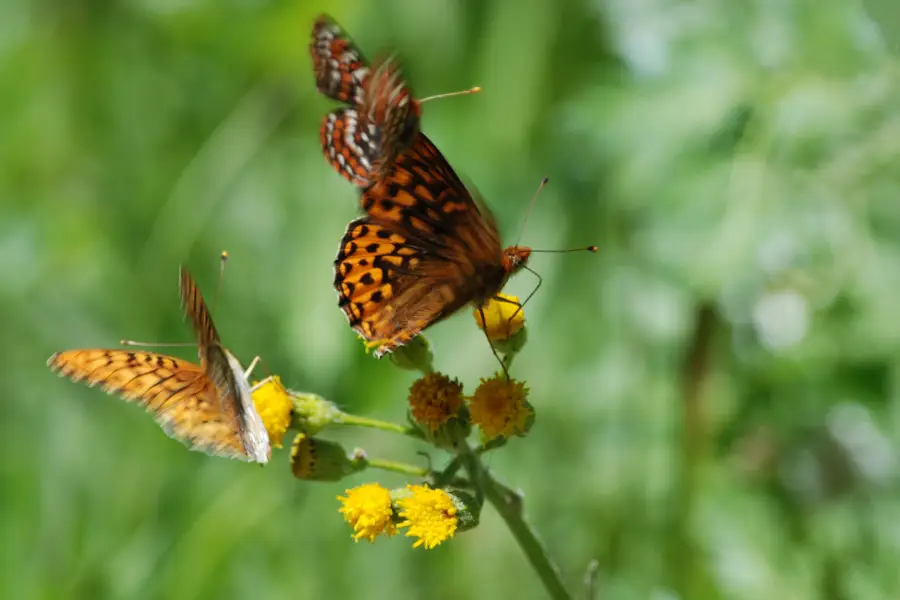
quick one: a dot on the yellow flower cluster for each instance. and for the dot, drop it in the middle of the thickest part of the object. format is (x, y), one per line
(430, 515)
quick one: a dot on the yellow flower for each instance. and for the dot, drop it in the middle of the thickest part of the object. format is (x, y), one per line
(434, 399)
(502, 318)
(430, 515)
(274, 407)
(368, 509)
(500, 407)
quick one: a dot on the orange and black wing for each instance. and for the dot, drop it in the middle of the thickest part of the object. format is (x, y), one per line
(423, 250)
(339, 66)
(179, 395)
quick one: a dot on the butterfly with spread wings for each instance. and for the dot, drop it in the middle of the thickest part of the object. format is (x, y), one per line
(382, 117)
(208, 406)
(423, 250)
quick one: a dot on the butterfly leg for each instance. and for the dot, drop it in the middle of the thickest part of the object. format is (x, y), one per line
(252, 366)
(524, 302)
(491, 344)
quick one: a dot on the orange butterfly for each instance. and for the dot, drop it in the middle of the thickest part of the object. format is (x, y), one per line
(424, 250)
(208, 406)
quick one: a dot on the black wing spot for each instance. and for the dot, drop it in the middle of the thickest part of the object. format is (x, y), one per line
(383, 234)
(373, 247)
(377, 296)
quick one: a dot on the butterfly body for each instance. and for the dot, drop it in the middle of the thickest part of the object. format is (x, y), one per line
(208, 407)
(424, 250)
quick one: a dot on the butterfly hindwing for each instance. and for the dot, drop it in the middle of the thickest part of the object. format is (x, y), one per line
(391, 287)
(350, 145)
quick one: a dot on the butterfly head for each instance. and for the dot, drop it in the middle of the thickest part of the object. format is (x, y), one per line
(514, 258)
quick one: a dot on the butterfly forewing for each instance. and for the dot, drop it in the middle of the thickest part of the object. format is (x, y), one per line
(195, 308)
(340, 68)
(179, 395)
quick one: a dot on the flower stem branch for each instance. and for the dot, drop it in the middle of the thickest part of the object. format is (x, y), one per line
(396, 467)
(509, 504)
(358, 421)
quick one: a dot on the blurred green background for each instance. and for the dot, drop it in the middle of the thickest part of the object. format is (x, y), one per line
(717, 392)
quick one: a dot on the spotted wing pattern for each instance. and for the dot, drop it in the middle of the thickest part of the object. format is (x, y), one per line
(339, 66)
(424, 249)
(208, 407)
(350, 145)
(363, 139)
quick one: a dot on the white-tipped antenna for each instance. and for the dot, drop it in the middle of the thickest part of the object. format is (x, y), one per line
(158, 344)
(473, 90)
(531, 206)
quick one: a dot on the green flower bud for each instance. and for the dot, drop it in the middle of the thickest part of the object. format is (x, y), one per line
(415, 355)
(312, 413)
(316, 459)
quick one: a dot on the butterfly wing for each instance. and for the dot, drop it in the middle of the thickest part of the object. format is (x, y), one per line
(195, 308)
(179, 395)
(424, 250)
(339, 66)
(221, 367)
(350, 145)
(391, 110)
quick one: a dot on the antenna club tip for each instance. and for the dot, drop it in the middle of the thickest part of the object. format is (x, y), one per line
(593, 249)
(224, 255)
(475, 89)
(545, 180)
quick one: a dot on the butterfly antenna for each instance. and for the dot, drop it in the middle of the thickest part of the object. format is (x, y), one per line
(582, 249)
(157, 344)
(473, 90)
(222, 260)
(531, 206)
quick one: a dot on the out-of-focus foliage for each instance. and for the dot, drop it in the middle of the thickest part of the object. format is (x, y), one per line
(717, 392)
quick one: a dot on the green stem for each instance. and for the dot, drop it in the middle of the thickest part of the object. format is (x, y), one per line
(396, 467)
(442, 478)
(357, 421)
(476, 471)
(509, 504)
